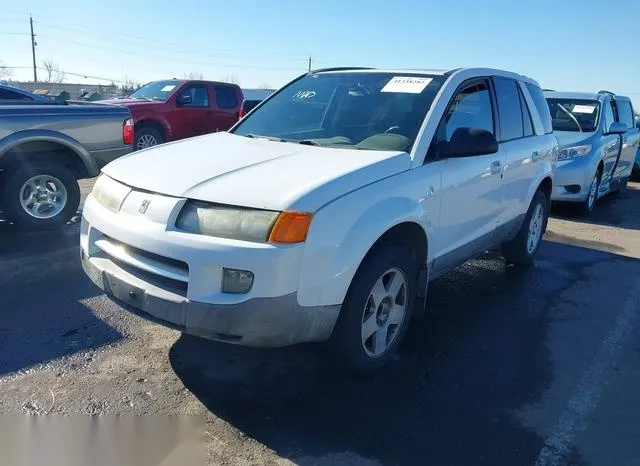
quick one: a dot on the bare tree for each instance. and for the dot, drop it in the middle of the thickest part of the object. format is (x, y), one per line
(231, 79)
(193, 75)
(54, 75)
(5, 72)
(128, 85)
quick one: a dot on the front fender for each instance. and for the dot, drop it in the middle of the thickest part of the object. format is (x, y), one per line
(43, 135)
(340, 236)
(153, 117)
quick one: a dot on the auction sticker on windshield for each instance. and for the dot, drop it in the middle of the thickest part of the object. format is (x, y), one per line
(407, 84)
(168, 88)
(583, 109)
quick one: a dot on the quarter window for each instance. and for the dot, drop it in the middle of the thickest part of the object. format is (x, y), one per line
(609, 115)
(471, 108)
(509, 109)
(541, 106)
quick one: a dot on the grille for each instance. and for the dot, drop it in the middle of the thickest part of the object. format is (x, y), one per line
(163, 272)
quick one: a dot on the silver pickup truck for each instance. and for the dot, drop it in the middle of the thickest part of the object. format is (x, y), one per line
(46, 147)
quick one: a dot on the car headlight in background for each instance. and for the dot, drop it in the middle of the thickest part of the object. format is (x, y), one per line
(109, 193)
(572, 152)
(243, 223)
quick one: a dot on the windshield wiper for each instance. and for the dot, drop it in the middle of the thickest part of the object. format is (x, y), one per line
(142, 98)
(260, 136)
(307, 142)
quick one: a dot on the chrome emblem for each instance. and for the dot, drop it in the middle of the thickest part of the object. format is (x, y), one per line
(144, 206)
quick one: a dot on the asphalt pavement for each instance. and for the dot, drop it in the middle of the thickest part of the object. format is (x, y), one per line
(508, 367)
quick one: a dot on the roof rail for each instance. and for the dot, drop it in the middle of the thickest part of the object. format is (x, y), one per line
(606, 92)
(341, 68)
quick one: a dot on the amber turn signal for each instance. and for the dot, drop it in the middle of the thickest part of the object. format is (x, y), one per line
(291, 227)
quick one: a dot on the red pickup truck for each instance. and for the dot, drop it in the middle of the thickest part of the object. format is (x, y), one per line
(177, 109)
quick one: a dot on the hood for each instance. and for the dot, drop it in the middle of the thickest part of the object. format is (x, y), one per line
(236, 170)
(572, 138)
(131, 102)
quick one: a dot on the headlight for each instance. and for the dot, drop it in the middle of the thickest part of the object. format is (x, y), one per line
(243, 223)
(572, 152)
(109, 193)
(226, 222)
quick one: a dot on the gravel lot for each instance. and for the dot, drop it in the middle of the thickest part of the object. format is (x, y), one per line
(508, 367)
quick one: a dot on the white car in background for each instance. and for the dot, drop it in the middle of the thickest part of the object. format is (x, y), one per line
(324, 213)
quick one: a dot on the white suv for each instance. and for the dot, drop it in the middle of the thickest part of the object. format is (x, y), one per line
(326, 210)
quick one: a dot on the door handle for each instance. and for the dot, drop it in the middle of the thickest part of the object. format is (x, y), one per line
(495, 167)
(535, 156)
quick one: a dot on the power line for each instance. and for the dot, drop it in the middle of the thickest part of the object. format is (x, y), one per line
(164, 59)
(93, 31)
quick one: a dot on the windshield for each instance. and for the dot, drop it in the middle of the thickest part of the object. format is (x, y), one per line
(574, 114)
(157, 90)
(380, 111)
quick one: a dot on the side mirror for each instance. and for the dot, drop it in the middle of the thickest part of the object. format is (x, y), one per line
(185, 99)
(466, 142)
(638, 123)
(617, 128)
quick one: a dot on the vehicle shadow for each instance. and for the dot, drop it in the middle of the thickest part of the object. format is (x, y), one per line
(42, 289)
(478, 357)
(15, 241)
(616, 210)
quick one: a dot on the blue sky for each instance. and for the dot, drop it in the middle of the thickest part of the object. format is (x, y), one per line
(564, 44)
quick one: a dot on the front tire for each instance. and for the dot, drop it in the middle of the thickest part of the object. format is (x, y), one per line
(376, 312)
(146, 137)
(523, 248)
(41, 196)
(587, 206)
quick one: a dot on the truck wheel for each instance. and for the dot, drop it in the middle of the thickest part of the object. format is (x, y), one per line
(523, 247)
(147, 137)
(41, 196)
(586, 206)
(377, 309)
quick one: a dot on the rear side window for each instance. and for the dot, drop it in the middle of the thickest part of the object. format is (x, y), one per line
(226, 97)
(509, 109)
(541, 106)
(527, 124)
(625, 112)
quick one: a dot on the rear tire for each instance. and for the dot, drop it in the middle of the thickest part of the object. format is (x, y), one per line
(522, 249)
(147, 137)
(376, 312)
(53, 187)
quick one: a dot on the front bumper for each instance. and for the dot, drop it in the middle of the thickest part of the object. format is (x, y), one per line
(572, 180)
(260, 322)
(173, 278)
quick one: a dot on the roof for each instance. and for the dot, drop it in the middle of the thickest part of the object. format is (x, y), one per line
(479, 71)
(581, 95)
(574, 95)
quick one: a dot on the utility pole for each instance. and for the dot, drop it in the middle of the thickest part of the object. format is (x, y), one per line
(33, 50)
(309, 64)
